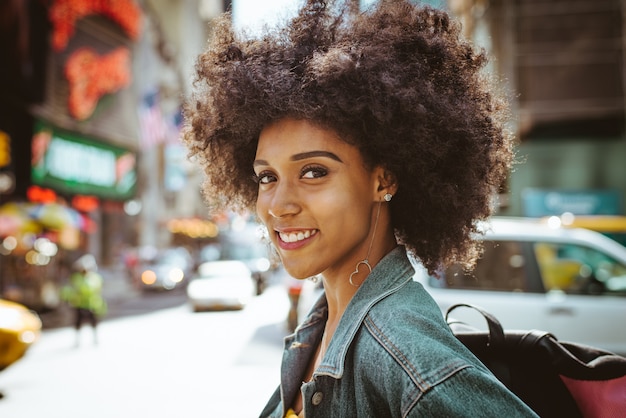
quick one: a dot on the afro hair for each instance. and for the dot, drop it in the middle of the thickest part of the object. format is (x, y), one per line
(398, 81)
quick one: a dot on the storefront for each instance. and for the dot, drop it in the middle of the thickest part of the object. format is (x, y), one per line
(97, 177)
(85, 135)
(36, 242)
(77, 183)
(76, 147)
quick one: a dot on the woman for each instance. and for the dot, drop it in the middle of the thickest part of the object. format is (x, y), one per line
(360, 139)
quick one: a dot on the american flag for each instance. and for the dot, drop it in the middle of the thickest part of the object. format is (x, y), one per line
(173, 125)
(151, 124)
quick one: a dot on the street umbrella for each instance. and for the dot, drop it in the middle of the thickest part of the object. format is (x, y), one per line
(55, 216)
(15, 219)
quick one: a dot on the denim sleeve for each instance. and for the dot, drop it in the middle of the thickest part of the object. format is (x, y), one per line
(471, 393)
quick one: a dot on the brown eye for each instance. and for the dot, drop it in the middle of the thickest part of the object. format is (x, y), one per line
(264, 178)
(313, 172)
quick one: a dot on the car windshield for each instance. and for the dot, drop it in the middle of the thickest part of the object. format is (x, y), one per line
(168, 258)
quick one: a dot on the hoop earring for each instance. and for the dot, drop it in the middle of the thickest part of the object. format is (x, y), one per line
(365, 261)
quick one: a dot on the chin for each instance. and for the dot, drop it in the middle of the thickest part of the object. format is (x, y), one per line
(298, 273)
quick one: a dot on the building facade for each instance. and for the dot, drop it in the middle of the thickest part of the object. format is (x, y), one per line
(90, 114)
(562, 65)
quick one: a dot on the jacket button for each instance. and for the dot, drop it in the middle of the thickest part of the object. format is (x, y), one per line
(317, 398)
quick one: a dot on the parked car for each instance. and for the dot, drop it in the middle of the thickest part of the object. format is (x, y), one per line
(166, 269)
(568, 281)
(19, 329)
(221, 285)
(255, 255)
(245, 246)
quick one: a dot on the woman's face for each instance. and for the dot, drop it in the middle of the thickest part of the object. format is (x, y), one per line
(316, 198)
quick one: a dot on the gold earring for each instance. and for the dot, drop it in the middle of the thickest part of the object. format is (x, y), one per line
(365, 261)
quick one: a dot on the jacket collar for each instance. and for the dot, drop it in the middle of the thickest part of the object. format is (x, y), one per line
(389, 275)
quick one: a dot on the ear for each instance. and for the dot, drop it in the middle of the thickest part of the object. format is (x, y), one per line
(385, 181)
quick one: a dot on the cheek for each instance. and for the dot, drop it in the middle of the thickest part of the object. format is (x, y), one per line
(345, 207)
(355, 193)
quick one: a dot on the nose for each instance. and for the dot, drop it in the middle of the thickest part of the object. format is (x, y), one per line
(283, 201)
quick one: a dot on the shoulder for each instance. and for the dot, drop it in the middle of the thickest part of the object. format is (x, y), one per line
(407, 332)
(412, 302)
(406, 354)
(411, 318)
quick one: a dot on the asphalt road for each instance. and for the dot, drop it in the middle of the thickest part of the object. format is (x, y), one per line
(154, 358)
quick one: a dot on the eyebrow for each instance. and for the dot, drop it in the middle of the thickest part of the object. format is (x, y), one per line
(304, 156)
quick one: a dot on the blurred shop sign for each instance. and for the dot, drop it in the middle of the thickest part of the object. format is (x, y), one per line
(541, 202)
(71, 163)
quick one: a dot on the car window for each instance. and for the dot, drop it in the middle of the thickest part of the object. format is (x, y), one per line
(171, 257)
(501, 267)
(578, 269)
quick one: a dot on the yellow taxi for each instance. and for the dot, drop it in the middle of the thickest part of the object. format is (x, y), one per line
(613, 226)
(19, 329)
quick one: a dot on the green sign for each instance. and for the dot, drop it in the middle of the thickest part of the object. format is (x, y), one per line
(540, 202)
(70, 163)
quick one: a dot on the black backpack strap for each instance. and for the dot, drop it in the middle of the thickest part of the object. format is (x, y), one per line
(496, 333)
(494, 344)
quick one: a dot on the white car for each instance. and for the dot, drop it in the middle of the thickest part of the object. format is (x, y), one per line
(568, 281)
(221, 285)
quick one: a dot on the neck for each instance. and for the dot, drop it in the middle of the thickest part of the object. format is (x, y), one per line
(339, 291)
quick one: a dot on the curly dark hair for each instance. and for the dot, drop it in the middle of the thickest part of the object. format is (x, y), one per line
(398, 81)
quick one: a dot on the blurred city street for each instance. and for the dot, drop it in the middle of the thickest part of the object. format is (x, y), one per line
(164, 362)
(92, 164)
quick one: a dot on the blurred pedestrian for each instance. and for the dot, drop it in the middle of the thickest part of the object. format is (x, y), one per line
(371, 136)
(84, 294)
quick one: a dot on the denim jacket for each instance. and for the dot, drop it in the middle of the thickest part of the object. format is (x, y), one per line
(392, 355)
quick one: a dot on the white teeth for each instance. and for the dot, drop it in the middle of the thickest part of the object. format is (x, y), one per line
(296, 236)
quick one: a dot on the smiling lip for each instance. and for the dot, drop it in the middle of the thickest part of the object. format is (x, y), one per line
(290, 240)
